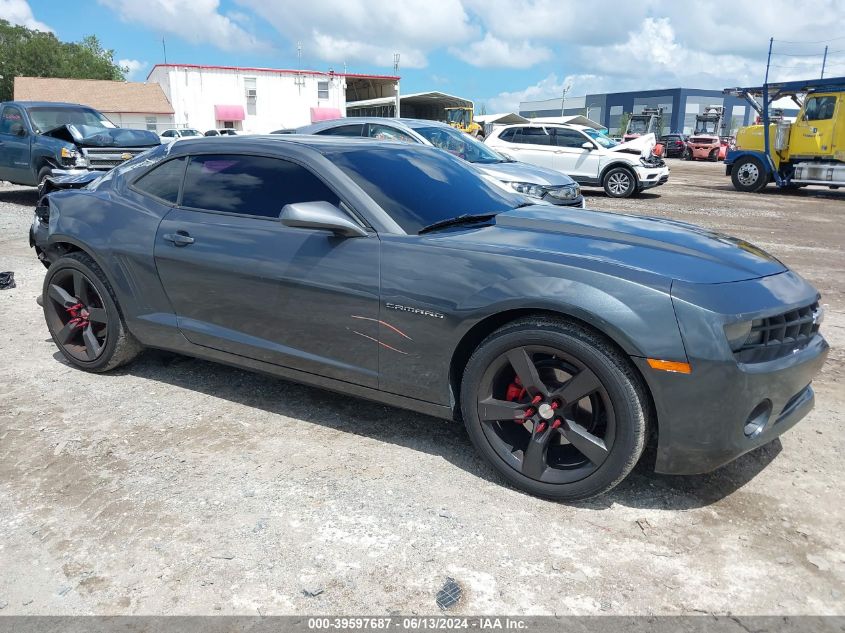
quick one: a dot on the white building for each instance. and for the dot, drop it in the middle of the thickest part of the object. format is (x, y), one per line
(260, 100)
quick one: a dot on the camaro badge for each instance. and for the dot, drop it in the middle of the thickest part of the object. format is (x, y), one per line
(412, 310)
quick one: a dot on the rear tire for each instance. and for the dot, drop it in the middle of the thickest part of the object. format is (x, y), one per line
(619, 182)
(601, 401)
(83, 316)
(748, 174)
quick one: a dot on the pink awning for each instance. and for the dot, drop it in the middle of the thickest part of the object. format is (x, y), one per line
(228, 113)
(324, 114)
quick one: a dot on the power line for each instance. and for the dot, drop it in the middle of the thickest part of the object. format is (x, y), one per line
(832, 39)
(808, 54)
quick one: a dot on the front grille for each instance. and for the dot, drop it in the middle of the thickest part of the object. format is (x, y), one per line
(108, 157)
(780, 335)
(703, 140)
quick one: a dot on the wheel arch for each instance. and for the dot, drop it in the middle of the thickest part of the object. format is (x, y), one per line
(619, 163)
(473, 337)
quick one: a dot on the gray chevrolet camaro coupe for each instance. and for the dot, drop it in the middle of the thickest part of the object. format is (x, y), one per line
(564, 340)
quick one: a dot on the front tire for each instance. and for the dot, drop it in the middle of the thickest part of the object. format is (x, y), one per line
(619, 182)
(554, 408)
(748, 174)
(83, 316)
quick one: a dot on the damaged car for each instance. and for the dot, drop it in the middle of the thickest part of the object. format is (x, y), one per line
(587, 156)
(40, 139)
(563, 340)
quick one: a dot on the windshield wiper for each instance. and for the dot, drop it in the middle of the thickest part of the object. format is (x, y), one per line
(467, 218)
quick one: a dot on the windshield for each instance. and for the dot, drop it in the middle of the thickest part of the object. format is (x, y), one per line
(705, 127)
(638, 126)
(457, 116)
(459, 144)
(418, 187)
(190, 132)
(601, 139)
(46, 118)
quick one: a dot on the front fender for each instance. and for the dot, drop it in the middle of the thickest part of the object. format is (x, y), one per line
(640, 319)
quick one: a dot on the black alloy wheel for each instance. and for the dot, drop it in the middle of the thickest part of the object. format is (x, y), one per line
(555, 408)
(82, 315)
(546, 414)
(75, 312)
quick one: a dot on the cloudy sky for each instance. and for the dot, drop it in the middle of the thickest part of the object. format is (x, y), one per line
(497, 52)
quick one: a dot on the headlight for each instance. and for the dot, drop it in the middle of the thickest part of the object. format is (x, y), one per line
(567, 192)
(529, 189)
(738, 334)
(72, 157)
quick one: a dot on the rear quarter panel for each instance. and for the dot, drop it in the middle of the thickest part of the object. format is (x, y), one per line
(117, 228)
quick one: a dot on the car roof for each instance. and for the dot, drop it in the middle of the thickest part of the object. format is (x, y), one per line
(269, 142)
(569, 126)
(51, 104)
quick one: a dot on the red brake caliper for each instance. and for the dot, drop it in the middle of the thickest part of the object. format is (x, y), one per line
(76, 318)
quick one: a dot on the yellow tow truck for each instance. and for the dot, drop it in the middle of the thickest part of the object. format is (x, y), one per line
(810, 151)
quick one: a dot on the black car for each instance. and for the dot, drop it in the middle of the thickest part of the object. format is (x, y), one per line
(398, 273)
(674, 144)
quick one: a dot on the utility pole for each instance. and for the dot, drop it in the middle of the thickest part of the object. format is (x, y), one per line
(563, 98)
(397, 108)
(164, 46)
(824, 61)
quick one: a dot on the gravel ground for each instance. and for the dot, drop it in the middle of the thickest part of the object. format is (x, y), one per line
(176, 486)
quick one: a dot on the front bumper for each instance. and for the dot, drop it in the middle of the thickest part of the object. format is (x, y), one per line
(649, 177)
(703, 417)
(574, 202)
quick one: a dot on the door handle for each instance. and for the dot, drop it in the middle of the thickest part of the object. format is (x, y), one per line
(558, 151)
(179, 238)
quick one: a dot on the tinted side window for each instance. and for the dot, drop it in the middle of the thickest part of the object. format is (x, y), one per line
(252, 185)
(532, 136)
(507, 135)
(344, 130)
(11, 121)
(163, 181)
(389, 133)
(569, 138)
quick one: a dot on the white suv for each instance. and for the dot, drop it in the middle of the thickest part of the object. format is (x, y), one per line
(588, 157)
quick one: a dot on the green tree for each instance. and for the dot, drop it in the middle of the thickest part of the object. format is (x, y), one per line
(28, 53)
(623, 122)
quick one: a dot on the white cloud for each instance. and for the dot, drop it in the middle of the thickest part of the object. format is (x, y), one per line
(19, 12)
(493, 52)
(134, 66)
(548, 88)
(368, 31)
(197, 21)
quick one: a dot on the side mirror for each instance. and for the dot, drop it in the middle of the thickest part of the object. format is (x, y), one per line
(320, 215)
(587, 145)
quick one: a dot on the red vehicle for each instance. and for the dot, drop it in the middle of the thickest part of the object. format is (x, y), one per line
(649, 121)
(727, 143)
(705, 143)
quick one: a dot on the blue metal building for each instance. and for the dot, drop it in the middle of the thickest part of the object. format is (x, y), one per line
(680, 105)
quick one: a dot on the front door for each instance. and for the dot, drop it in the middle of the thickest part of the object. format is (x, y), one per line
(241, 282)
(813, 133)
(15, 141)
(573, 159)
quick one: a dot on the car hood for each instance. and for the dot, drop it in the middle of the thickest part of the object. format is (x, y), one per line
(642, 145)
(673, 250)
(91, 136)
(523, 172)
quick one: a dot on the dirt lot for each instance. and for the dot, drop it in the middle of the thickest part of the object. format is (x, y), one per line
(176, 486)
